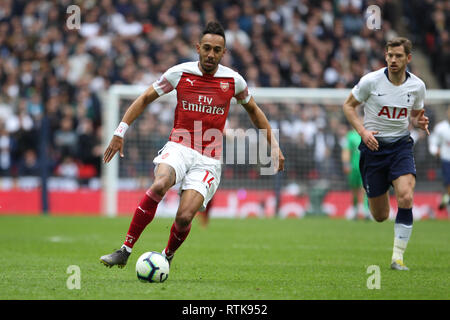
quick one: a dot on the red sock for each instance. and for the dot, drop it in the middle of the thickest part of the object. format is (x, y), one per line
(177, 237)
(143, 215)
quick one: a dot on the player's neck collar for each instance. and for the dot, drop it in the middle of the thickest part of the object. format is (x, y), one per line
(204, 73)
(386, 72)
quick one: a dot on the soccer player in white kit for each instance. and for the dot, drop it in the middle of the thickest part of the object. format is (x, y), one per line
(392, 97)
(192, 155)
(439, 146)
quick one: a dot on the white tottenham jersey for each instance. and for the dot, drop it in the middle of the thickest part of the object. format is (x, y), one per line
(440, 140)
(387, 107)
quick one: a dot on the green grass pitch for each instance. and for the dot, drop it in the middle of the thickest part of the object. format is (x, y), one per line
(243, 259)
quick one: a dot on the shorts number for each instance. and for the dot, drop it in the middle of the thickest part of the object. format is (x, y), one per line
(206, 177)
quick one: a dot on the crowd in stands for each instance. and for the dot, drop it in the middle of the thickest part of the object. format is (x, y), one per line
(429, 22)
(48, 69)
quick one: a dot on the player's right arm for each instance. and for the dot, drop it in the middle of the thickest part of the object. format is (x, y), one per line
(134, 111)
(367, 136)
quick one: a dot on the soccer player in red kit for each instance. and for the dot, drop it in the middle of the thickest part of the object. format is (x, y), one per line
(191, 157)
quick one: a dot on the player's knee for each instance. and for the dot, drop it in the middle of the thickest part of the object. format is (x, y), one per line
(160, 187)
(405, 200)
(183, 219)
(380, 218)
(380, 215)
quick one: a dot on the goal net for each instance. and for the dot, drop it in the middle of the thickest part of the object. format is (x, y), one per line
(311, 129)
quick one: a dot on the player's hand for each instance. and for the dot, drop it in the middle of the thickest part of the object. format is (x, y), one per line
(115, 145)
(280, 161)
(369, 139)
(277, 159)
(423, 121)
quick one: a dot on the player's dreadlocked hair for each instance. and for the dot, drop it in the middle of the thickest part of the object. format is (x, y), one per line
(214, 27)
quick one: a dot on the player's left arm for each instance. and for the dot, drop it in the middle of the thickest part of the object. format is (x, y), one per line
(417, 117)
(260, 121)
(133, 112)
(420, 120)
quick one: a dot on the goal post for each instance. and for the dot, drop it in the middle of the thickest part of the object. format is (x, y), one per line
(286, 104)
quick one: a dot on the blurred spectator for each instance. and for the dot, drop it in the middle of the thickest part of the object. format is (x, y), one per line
(68, 168)
(129, 27)
(5, 150)
(21, 121)
(29, 164)
(35, 107)
(324, 142)
(22, 129)
(78, 62)
(234, 34)
(89, 149)
(66, 138)
(91, 27)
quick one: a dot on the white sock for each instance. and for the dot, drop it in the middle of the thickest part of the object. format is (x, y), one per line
(402, 233)
(127, 248)
(364, 210)
(350, 214)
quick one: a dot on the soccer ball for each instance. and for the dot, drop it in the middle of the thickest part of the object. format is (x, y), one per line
(152, 267)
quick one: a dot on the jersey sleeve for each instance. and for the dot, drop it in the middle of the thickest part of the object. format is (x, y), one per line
(242, 94)
(435, 140)
(418, 103)
(168, 81)
(361, 91)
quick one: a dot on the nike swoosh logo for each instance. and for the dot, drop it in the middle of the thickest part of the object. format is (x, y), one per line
(381, 94)
(143, 211)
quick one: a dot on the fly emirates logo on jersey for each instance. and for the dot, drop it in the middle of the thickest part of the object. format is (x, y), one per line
(204, 104)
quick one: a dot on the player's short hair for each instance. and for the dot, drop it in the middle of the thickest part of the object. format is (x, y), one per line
(400, 41)
(214, 27)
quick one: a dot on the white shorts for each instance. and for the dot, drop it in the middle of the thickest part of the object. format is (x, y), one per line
(193, 170)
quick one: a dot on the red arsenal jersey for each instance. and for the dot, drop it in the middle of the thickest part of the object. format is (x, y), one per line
(203, 102)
